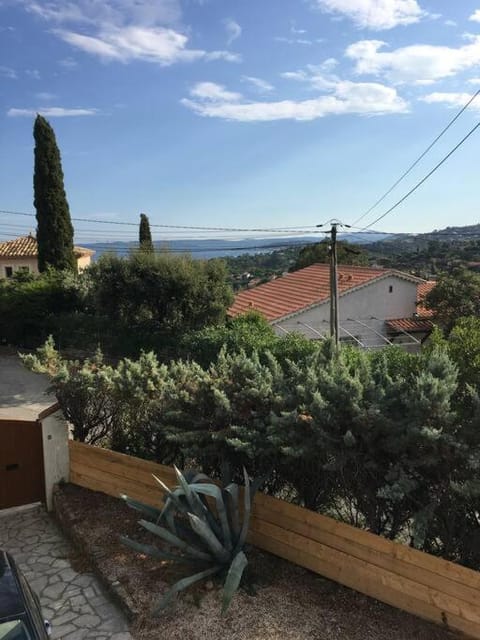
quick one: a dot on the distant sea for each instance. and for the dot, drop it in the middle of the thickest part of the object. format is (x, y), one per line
(214, 248)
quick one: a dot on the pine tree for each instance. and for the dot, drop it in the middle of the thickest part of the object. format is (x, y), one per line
(54, 226)
(145, 236)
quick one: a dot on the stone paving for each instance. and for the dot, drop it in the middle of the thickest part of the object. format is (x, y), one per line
(74, 602)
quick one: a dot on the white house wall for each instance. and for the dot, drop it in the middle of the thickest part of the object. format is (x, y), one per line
(55, 434)
(372, 304)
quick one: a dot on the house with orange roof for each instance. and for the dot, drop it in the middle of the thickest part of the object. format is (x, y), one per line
(21, 254)
(376, 306)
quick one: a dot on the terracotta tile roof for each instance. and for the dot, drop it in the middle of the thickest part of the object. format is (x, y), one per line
(26, 247)
(422, 291)
(410, 325)
(19, 248)
(301, 289)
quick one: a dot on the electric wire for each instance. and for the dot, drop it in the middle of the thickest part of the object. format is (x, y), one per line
(422, 155)
(173, 226)
(425, 178)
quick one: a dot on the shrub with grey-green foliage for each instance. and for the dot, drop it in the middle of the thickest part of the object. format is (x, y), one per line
(388, 441)
(220, 415)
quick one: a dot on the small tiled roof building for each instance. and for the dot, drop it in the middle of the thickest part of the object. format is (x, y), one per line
(22, 254)
(377, 306)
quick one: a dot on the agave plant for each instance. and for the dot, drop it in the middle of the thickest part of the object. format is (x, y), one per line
(202, 523)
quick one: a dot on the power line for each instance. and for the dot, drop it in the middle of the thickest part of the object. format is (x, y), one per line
(425, 178)
(174, 226)
(414, 164)
(135, 246)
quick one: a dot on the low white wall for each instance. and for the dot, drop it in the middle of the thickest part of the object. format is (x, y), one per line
(55, 434)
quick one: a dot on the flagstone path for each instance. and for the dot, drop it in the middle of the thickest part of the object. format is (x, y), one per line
(73, 601)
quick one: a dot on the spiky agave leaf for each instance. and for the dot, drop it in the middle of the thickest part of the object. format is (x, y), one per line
(180, 586)
(146, 509)
(233, 579)
(151, 550)
(202, 511)
(246, 513)
(196, 505)
(233, 512)
(175, 541)
(215, 492)
(213, 543)
(198, 477)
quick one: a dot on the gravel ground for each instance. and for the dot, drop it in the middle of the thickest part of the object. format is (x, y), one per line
(291, 602)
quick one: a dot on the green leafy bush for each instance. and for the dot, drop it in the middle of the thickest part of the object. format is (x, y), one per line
(388, 441)
(33, 307)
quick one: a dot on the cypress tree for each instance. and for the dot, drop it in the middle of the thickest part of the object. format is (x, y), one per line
(54, 226)
(145, 236)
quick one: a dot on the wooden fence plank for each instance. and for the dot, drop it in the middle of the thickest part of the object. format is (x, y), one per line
(120, 471)
(408, 579)
(364, 584)
(118, 485)
(343, 564)
(122, 459)
(270, 508)
(386, 560)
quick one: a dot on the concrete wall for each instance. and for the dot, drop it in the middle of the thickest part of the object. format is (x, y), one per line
(55, 434)
(83, 262)
(32, 264)
(371, 305)
(17, 263)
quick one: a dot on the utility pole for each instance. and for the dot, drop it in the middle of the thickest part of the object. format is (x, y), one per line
(334, 330)
(334, 315)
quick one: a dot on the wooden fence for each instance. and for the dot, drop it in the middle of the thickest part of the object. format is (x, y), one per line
(429, 587)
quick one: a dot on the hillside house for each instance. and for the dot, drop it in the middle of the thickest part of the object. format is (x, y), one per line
(376, 306)
(21, 254)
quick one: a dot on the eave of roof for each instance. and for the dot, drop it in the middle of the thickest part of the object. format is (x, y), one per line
(409, 325)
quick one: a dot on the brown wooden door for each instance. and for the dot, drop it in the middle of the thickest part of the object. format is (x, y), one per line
(22, 479)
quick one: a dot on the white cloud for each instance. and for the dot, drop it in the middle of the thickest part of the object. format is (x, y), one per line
(346, 98)
(475, 17)
(295, 31)
(299, 75)
(415, 64)
(474, 81)
(375, 14)
(112, 12)
(262, 86)
(156, 44)
(51, 112)
(293, 40)
(214, 92)
(450, 23)
(319, 77)
(33, 73)
(234, 30)
(124, 30)
(68, 63)
(451, 99)
(8, 72)
(44, 95)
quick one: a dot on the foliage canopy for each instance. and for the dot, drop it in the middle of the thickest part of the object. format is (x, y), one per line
(54, 226)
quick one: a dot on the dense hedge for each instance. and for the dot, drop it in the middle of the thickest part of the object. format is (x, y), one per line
(144, 301)
(389, 441)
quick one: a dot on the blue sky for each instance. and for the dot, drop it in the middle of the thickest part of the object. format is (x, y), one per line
(241, 113)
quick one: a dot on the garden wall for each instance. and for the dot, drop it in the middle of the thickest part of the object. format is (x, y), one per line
(424, 585)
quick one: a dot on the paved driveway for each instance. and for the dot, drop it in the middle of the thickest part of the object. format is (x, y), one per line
(74, 602)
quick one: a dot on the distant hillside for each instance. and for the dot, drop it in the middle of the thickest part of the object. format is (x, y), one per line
(428, 254)
(215, 248)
